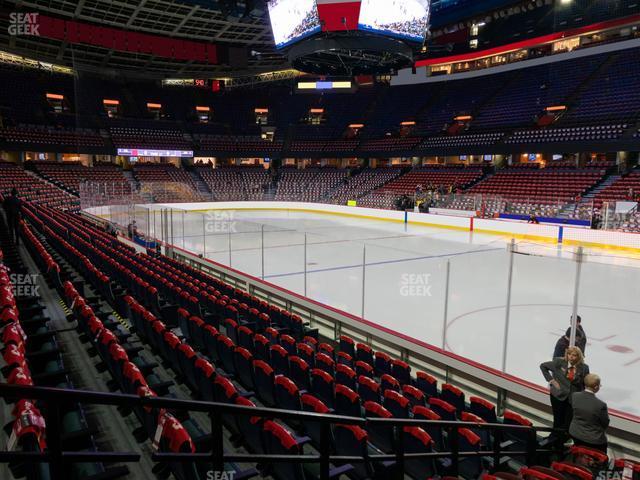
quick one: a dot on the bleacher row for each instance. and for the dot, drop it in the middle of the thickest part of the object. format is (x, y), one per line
(33, 188)
(70, 175)
(235, 183)
(32, 355)
(526, 188)
(309, 184)
(83, 140)
(600, 93)
(231, 347)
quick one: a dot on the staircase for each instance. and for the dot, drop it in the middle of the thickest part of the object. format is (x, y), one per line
(46, 180)
(201, 186)
(128, 174)
(591, 194)
(630, 132)
(567, 210)
(577, 92)
(269, 193)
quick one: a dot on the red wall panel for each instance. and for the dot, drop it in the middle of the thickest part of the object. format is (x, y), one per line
(122, 40)
(333, 12)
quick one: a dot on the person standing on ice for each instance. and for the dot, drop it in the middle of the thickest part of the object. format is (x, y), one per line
(565, 376)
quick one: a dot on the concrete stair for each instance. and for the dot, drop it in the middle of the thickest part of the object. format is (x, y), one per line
(590, 195)
(128, 174)
(201, 186)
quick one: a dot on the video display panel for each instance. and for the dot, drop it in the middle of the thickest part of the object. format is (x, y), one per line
(292, 20)
(405, 19)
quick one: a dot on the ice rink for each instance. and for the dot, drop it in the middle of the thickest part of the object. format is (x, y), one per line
(404, 276)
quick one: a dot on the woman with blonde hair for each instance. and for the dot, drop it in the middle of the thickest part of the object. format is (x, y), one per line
(565, 376)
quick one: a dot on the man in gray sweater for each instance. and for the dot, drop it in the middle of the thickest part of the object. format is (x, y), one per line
(590, 416)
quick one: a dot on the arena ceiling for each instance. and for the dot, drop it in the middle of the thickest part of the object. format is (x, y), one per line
(249, 36)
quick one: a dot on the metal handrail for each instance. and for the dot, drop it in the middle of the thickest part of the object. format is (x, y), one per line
(56, 457)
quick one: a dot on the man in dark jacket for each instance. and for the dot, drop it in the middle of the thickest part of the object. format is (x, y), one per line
(13, 209)
(563, 342)
(581, 336)
(590, 416)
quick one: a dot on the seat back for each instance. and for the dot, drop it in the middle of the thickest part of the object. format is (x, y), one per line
(416, 440)
(470, 467)
(263, 376)
(427, 383)
(388, 382)
(434, 432)
(243, 361)
(322, 385)
(518, 437)
(279, 441)
(483, 408)
(364, 353)
(287, 395)
(226, 349)
(326, 363)
(454, 396)
(442, 408)
(279, 359)
(300, 371)
(380, 435)
(396, 404)
(382, 363)
(250, 427)
(414, 395)
(345, 375)
(368, 389)
(401, 371)
(347, 345)
(315, 405)
(347, 402)
(351, 440)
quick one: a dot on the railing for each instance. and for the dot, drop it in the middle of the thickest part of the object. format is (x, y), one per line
(221, 255)
(55, 398)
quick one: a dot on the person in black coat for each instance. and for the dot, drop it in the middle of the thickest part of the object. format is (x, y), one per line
(563, 342)
(13, 209)
(565, 376)
(581, 336)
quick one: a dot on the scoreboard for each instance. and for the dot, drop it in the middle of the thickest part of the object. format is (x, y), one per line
(294, 20)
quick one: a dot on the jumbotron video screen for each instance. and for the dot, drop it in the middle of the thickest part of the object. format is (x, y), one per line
(293, 20)
(407, 19)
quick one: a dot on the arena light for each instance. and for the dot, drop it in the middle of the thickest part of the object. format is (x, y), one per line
(325, 85)
(463, 118)
(407, 124)
(316, 110)
(106, 101)
(55, 96)
(307, 85)
(154, 105)
(356, 125)
(261, 110)
(556, 108)
(202, 109)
